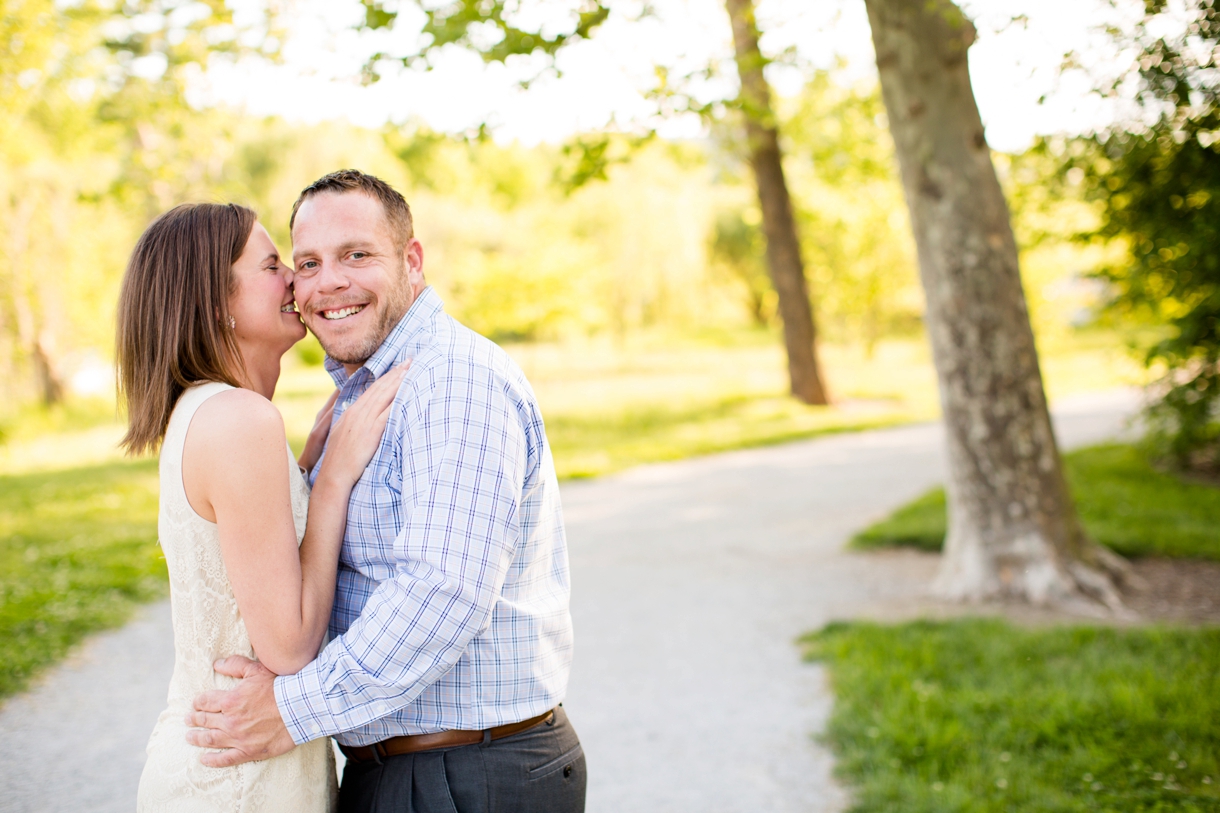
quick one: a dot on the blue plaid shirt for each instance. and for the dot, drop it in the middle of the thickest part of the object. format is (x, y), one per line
(451, 610)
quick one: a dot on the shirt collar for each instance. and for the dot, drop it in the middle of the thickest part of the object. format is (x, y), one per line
(421, 314)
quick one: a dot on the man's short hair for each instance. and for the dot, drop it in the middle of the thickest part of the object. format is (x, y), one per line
(397, 212)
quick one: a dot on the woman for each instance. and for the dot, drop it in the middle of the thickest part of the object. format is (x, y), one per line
(205, 315)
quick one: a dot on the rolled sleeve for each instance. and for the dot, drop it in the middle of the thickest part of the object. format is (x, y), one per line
(304, 721)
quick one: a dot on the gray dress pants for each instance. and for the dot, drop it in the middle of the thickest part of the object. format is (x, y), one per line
(540, 770)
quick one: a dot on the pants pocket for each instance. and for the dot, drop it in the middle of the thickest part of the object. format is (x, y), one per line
(564, 762)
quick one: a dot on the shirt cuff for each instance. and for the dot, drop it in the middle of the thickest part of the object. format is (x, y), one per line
(302, 705)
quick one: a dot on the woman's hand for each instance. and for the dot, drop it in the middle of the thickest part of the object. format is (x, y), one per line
(316, 441)
(357, 434)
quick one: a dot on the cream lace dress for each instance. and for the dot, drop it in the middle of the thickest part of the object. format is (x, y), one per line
(208, 626)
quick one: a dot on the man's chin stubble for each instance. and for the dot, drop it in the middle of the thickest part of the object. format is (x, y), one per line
(358, 355)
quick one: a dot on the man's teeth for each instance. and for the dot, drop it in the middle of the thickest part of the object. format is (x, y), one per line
(342, 312)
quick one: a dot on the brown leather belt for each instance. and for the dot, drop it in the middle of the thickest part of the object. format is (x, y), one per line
(414, 743)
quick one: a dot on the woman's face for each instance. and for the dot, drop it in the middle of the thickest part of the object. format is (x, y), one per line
(265, 318)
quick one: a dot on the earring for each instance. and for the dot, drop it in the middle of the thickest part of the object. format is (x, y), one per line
(232, 323)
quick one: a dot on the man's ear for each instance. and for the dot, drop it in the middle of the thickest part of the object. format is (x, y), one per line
(413, 259)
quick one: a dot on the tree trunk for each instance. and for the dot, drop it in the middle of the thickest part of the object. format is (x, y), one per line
(50, 388)
(783, 247)
(1013, 529)
(33, 339)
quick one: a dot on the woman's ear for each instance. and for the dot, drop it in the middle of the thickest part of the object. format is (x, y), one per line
(232, 323)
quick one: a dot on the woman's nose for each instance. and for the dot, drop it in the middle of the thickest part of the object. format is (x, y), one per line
(287, 273)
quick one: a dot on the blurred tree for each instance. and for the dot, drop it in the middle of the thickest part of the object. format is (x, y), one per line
(169, 151)
(1157, 184)
(525, 260)
(1013, 528)
(94, 122)
(779, 225)
(44, 50)
(852, 215)
(738, 247)
(490, 28)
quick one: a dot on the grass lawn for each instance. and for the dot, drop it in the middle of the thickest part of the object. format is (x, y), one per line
(979, 716)
(1123, 501)
(77, 553)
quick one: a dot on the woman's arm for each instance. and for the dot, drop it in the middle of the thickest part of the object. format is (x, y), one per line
(316, 442)
(236, 474)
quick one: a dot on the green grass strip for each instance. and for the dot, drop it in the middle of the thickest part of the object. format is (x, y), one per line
(596, 444)
(976, 715)
(1124, 503)
(78, 552)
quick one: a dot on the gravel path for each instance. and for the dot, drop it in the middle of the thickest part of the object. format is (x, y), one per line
(691, 581)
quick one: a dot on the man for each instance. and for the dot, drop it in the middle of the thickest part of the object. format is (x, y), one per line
(451, 639)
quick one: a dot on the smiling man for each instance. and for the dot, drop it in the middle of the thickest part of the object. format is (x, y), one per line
(451, 640)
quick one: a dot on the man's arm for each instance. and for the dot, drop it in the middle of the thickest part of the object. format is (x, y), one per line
(464, 460)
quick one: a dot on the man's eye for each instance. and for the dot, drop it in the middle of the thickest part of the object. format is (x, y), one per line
(358, 255)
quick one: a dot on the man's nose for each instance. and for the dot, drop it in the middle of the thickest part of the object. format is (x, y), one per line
(329, 278)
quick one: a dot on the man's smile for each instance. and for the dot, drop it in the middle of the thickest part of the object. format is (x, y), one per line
(343, 312)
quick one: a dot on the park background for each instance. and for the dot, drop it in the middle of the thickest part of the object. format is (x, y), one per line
(614, 247)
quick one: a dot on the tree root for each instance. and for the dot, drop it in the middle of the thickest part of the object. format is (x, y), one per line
(1098, 586)
(1027, 570)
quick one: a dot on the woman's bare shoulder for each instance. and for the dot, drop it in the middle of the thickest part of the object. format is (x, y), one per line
(237, 420)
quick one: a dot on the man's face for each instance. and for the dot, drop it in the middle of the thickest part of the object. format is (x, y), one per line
(352, 284)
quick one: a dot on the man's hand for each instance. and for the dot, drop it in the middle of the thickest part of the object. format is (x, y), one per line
(244, 721)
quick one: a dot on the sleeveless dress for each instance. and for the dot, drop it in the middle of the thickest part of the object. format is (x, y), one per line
(208, 626)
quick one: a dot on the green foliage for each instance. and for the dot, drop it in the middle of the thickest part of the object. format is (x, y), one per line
(738, 249)
(421, 151)
(1163, 198)
(487, 27)
(1123, 501)
(95, 139)
(855, 232)
(309, 351)
(853, 223)
(589, 157)
(1158, 189)
(168, 151)
(44, 56)
(979, 716)
(78, 551)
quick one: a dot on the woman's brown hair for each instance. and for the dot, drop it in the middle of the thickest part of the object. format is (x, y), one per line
(174, 314)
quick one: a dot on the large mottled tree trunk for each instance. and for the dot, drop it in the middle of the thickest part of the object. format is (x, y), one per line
(783, 247)
(1013, 529)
